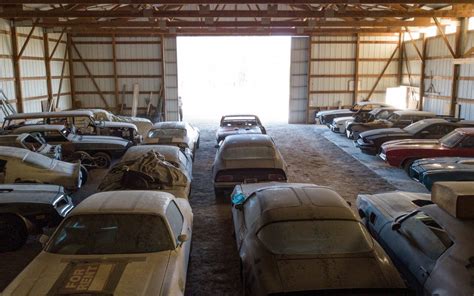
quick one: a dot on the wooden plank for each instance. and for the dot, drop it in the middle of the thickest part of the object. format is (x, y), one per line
(412, 41)
(114, 60)
(16, 71)
(25, 44)
(422, 71)
(72, 79)
(446, 41)
(47, 66)
(57, 44)
(61, 80)
(89, 75)
(356, 70)
(382, 73)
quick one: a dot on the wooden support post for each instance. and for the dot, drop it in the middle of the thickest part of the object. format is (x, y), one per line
(460, 41)
(61, 80)
(116, 85)
(356, 70)
(308, 80)
(71, 70)
(47, 66)
(16, 71)
(89, 73)
(400, 59)
(422, 71)
(383, 72)
(163, 93)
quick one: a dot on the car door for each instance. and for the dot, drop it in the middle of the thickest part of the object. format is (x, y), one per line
(416, 244)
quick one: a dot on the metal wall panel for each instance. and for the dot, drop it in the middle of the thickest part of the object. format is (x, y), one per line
(466, 84)
(298, 102)
(170, 59)
(7, 83)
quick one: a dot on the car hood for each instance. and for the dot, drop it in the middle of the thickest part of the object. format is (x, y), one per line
(101, 140)
(444, 163)
(396, 203)
(334, 112)
(130, 274)
(333, 272)
(342, 120)
(415, 144)
(383, 132)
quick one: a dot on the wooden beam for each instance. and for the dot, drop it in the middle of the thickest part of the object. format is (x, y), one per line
(446, 41)
(469, 52)
(71, 69)
(382, 73)
(407, 65)
(356, 70)
(89, 73)
(460, 41)
(25, 44)
(179, 2)
(412, 41)
(422, 72)
(465, 11)
(400, 59)
(114, 61)
(16, 71)
(463, 61)
(61, 80)
(57, 43)
(47, 66)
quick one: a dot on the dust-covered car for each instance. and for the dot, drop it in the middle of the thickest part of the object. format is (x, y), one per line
(92, 151)
(82, 120)
(430, 170)
(152, 167)
(338, 125)
(355, 126)
(114, 243)
(326, 117)
(34, 143)
(430, 240)
(304, 239)
(239, 124)
(246, 159)
(19, 165)
(176, 133)
(143, 124)
(28, 209)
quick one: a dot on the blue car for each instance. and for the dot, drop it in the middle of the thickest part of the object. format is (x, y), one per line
(430, 170)
(430, 240)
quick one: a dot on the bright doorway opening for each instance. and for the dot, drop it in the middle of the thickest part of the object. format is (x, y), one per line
(234, 75)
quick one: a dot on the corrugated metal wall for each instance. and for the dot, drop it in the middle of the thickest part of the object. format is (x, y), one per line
(299, 80)
(171, 77)
(466, 84)
(32, 67)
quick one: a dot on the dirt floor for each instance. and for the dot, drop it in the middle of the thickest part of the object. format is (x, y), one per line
(214, 264)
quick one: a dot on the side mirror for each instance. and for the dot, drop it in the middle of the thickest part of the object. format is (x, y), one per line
(182, 238)
(43, 239)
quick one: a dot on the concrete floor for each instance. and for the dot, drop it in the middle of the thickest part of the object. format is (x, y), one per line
(314, 155)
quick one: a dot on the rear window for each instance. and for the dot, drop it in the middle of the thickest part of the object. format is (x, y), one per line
(315, 237)
(257, 152)
(171, 132)
(451, 139)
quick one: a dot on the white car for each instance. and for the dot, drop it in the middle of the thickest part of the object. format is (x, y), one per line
(18, 165)
(114, 243)
(143, 124)
(176, 133)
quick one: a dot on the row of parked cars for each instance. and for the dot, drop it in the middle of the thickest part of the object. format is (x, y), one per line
(428, 147)
(304, 239)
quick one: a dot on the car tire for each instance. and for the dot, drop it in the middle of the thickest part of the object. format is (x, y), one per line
(103, 160)
(13, 233)
(84, 175)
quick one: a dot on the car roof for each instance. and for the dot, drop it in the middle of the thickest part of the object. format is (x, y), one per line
(240, 116)
(466, 130)
(39, 128)
(170, 125)
(50, 114)
(14, 152)
(415, 112)
(244, 140)
(169, 152)
(130, 202)
(295, 201)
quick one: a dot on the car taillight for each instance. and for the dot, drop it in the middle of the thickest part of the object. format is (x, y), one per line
(276, 177)
(224, 178)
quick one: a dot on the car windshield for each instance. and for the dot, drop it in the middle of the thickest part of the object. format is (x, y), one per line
(315, 237)
(239, 121)
(252, 152)
(90, 234)
(451, 139)
(394, 117)
(416, 127)
(168, 132)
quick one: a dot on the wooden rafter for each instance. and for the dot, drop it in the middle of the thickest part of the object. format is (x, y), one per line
(57, 43)
(446, 41)
(383, 72)
(412, 41)
(25, 44)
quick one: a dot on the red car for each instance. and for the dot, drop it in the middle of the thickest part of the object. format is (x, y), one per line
(402, 153)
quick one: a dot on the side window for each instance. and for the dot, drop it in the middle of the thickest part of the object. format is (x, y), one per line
(252, 211)
(426, 235)
(468, 142)
(53, 136)
(175, 219)
(384, 114)
(439, 129)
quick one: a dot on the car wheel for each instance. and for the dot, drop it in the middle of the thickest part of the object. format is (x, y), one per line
(84, 175)
(102, 160)
(13, 233)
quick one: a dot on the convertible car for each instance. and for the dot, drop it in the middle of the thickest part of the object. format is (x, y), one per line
(303, 239)
(103, 248)
(326, 117)
(433, 128)
(403, 153)
(430, 241)
(430, 170)
(239, 124)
